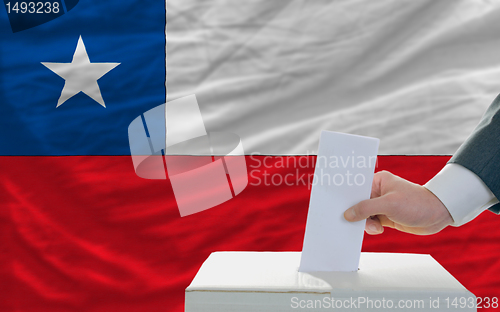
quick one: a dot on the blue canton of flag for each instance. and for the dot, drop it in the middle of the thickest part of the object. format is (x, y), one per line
(71, 84)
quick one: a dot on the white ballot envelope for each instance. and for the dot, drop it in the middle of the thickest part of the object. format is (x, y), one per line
(342, 177)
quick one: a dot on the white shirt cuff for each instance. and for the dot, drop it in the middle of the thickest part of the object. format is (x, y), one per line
(462, 192)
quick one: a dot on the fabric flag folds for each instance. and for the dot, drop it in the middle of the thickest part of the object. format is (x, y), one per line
(416, 74)
(80, 230)
(111, 32)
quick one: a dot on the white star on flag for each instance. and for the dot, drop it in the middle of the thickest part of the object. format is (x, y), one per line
(81, 75)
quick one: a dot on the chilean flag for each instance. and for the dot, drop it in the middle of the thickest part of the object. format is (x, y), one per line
(83, 230)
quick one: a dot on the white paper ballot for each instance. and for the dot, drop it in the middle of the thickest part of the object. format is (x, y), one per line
(343, 177)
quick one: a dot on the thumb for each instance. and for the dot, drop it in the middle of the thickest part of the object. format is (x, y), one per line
(367, 208)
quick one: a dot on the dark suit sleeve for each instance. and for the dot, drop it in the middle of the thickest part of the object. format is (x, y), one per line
(480, 153)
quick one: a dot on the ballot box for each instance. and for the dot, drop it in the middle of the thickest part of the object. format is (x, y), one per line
(271, 282)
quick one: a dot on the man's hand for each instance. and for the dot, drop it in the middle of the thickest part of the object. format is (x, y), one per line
(402, 205)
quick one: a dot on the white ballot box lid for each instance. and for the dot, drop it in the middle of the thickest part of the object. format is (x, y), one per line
(270, 281)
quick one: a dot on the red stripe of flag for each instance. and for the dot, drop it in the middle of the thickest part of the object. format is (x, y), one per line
(84, 233)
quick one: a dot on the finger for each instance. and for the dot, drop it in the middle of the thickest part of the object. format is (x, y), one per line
(376, 189)
(384, 221)
(370, 207)
(380, 179)
(373, 226)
